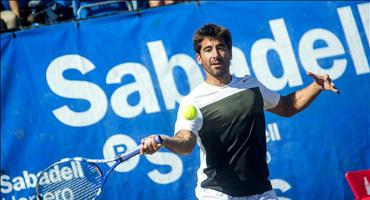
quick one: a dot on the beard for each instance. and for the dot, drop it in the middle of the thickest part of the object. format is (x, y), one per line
(219, 71)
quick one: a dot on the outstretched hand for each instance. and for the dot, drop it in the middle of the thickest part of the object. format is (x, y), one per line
(324, 81)
(149, 145)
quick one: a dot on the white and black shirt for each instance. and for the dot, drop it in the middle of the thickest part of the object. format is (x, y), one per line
(230, 129)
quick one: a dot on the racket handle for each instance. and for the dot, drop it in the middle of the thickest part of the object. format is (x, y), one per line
(158, 139)
(136, 151)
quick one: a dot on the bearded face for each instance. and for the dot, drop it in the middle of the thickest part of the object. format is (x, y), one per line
(215, 58)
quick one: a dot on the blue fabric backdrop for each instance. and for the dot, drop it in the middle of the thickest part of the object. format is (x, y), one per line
(94, 88)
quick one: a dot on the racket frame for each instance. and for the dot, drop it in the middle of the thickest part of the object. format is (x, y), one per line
(118, 160)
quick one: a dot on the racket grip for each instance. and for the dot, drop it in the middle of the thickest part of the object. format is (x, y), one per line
(136, 151)
(158, 139)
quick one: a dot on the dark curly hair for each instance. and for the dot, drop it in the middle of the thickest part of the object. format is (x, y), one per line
(211, 31)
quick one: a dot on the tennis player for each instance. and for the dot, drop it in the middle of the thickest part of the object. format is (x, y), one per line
(229, 125)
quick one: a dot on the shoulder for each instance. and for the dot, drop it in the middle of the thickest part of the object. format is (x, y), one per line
(246, 81)
(194, 94)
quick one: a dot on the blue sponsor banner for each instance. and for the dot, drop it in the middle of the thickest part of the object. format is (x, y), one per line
(94, 88)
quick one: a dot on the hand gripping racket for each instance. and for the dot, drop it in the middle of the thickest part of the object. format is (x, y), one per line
(78, 178)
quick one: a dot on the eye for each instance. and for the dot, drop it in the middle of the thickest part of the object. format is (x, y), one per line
(221, 48)
(207, 49)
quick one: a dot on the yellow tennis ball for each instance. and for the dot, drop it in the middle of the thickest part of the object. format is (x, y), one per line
(189, 112)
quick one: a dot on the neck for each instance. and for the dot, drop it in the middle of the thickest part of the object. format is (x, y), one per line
(218, 81)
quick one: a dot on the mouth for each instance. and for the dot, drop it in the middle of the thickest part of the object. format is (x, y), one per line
(218, 67)
(217, 64)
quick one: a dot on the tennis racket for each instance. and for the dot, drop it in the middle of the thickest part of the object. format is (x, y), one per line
(78, 178)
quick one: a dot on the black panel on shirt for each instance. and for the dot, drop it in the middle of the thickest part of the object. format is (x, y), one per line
(233, 136)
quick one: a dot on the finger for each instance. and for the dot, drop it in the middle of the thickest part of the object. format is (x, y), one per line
(334, 89)
(314, 76)
(311, 74)
(148, 145)
(141, 149)
(154, 144)
(327, 78)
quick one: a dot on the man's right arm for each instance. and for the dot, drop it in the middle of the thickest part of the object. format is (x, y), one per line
(182, 143)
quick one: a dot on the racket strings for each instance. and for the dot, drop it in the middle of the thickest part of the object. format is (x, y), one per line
(88, 190)
(84, 186)
(80, 189)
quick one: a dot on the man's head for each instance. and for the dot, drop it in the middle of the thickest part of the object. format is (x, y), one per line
(211, 31)
(213, 44)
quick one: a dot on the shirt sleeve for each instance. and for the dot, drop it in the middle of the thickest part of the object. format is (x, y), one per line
(184, 124)
(270, 98)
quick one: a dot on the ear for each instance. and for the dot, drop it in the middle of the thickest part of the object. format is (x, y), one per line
(199, 59)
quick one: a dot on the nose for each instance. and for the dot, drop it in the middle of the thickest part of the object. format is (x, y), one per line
(215, 54)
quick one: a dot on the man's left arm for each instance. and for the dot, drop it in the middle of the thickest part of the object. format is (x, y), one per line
(297, 101)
